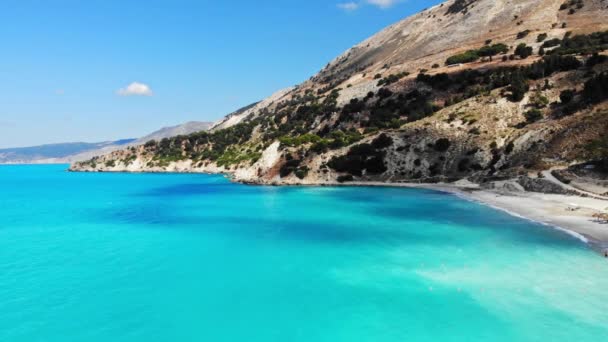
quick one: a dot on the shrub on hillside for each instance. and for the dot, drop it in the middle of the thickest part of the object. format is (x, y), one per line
(596, 89)
(382, 141)
(523, 34)
(566, 96)
(519, 87)
(523, 51)
(360, 158)
(533, 115)
(442, 145)
(346, 178)
(493, 50)
(465, 57)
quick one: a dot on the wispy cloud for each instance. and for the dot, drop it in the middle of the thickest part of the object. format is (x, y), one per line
(348, 6)
(353, 6)
(382, 3)
(135, 89)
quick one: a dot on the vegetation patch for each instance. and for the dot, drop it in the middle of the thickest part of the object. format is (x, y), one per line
(392, 78)
(460, 6)
(584, 44)
(442, 145)
(361, 158)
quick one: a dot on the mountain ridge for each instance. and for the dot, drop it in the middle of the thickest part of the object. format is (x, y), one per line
(58, 151)
(71, 152)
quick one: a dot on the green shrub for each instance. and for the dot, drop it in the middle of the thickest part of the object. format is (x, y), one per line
(346, 178)
(566, 96)
(390, 79)
(474, 55)
(595, 60)
(533, 115)
(596, 89)
(320, 147)
(465, 57)
(552, 43)
(289, 167)
(523, 34)
(360, 158)
(519, 87)
(301, 172)
(584, 44)
(538, 100)
(598, 149)
(493, 50)
(303, 139)
(523, 51)
(442, 145)
(382, 141)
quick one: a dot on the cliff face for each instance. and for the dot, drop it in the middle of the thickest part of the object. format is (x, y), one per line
(469, 88)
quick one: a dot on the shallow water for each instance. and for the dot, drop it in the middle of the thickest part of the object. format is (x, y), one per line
(143, 257)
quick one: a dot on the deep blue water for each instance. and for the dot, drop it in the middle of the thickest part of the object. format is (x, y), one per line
(167, 257)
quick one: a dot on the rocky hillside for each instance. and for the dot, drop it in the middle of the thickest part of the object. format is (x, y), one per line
(478, 89)
(173, 131)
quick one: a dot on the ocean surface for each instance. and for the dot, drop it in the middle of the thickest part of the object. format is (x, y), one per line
(168, 257)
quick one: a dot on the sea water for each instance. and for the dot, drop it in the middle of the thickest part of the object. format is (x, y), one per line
(183, 257)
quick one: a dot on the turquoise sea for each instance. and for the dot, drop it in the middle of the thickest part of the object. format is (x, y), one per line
(168, 257)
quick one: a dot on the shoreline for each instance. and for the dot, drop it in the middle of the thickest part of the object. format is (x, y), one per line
(550, 210)
(546, 209)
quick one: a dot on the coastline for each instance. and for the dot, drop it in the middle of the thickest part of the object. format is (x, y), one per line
(550, 210)
(547, 209)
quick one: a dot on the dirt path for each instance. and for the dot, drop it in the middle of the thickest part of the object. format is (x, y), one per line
(549, 176)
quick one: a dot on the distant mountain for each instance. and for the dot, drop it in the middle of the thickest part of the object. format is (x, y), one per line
(50, 152)
(79, 151)
(173, 131)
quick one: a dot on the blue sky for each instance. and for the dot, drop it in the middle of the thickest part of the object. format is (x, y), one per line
(66, 66)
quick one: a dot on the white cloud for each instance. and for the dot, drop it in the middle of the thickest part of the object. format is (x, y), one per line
(382, 3)
(348, 6)
(353, 6)
(135, 89)
(59, 92)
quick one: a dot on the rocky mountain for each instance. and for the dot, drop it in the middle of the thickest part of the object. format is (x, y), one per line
(173, 131)
(477, 89)
(79, 151)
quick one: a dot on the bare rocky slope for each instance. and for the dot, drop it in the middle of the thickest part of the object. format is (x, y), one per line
(477, 89)
(173, 131)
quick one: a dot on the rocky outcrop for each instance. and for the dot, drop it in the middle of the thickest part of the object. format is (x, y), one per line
(543, 186)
